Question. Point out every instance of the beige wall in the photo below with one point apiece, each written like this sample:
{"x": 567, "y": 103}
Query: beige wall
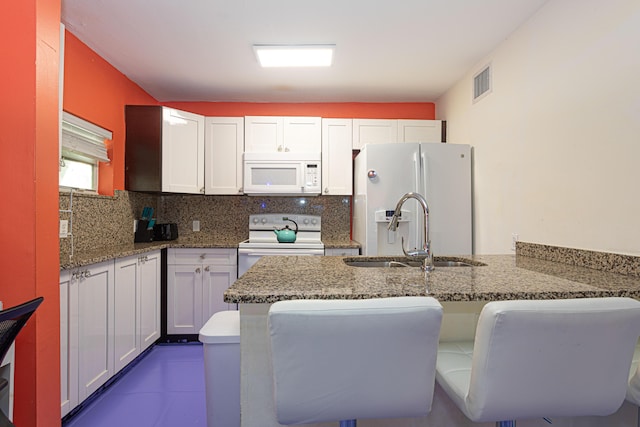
{"x": 557, "y": 142}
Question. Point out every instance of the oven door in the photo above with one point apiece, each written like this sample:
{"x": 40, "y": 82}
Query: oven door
{"x": 248, "y": 257}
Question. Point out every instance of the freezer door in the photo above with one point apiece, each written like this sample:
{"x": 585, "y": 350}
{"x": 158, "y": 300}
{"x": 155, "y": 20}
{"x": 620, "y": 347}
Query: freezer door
{"x": 446, "y": 185}
{"x": 383, "y": 173}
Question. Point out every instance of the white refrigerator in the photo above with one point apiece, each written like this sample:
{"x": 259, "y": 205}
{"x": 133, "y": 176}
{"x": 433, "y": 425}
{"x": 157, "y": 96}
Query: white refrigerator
{"x": 439, "y": 172}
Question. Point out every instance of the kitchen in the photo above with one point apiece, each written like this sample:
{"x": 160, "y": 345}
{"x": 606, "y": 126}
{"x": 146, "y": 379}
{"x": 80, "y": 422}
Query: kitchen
{"x": 538, "y": 139}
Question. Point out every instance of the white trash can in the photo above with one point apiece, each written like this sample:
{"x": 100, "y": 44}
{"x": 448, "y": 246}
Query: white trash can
{"x": 220, "y": 337}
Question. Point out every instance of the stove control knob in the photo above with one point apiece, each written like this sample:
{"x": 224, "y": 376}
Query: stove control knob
{"x": 263, "y": 220}
{"x": 255, "y": 220}
{"x": 305, "y": 221}
{"x": 314, "y": 221}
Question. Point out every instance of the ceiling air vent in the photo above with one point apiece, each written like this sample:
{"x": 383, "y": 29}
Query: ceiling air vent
{"x": 482, "y": 83}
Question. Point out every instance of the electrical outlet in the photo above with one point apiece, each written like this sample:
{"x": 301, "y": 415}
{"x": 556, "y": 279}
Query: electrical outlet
{"x": 196, "y": 225}
{"x": 514, "y": 239}
{"x": 64, "y": 228}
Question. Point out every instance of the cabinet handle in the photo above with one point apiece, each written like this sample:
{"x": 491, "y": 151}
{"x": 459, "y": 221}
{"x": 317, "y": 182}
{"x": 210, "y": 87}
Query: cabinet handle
{"x": 286, "y": 149}
{"x": 203, "y": 256}
{"x": 326, "y": 189}
{"x": 202, "y": 190}
{"x": 198, "y": 270}
{"x": 80, "y": 274}
{"x": 279, "y": 147}
{"x": 206, "y": 268}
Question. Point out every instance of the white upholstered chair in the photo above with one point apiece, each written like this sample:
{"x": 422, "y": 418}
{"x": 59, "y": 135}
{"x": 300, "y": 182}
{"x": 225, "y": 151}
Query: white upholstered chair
{"x": 633, "y": 390}
{"x": 535, "y": 359}
{"x": 341, "y": 360}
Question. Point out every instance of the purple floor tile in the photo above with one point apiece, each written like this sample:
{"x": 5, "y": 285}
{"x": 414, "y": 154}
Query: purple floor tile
{"x": 166, "y": 388}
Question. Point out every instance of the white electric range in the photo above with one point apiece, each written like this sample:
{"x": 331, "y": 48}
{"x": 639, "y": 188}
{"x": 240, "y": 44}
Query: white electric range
{"x": 264, "y": 242}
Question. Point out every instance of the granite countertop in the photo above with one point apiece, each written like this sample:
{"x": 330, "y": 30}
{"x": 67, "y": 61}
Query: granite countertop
{"x": 102, "y": 254}
{"x": 503, "y": 277}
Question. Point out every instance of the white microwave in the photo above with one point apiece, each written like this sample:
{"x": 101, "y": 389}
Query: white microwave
{"x": 292, "y": 174}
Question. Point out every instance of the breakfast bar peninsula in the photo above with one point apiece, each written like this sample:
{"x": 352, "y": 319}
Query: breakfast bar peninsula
{"x": 461, "y": 284}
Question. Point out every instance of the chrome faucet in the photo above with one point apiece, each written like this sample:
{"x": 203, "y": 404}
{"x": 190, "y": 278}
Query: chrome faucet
{"x": 425, "y": 251}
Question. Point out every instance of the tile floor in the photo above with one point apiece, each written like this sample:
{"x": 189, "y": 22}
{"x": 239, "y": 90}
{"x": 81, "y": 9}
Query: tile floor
{"x": 164, "y": 389}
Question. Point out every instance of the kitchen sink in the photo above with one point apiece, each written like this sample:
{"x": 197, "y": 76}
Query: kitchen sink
{"x": 376, "y": 263}
{"x": 388, "y": 263}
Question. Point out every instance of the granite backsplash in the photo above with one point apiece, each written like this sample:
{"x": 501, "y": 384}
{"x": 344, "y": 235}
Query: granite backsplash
{"x": 102, "y": 222}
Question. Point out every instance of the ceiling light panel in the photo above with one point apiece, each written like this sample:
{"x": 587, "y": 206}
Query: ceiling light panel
{"x": 294, "y": 55}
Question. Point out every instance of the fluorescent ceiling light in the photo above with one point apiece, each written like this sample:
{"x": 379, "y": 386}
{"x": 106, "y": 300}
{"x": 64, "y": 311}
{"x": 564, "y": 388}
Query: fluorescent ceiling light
{"x": 294, "y": 55}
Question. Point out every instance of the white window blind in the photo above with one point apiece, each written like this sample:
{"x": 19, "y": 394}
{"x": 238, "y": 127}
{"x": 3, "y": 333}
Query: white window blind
{"x": 83, "y": 139}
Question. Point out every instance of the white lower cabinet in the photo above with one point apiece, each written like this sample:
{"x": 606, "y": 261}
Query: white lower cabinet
{"x": 109, "y": 313}
{"x": 95, "y": 330}
{"x": 137, "y": 306}
{"x": 196, "y": 281}
{"x": 68, "y": 343}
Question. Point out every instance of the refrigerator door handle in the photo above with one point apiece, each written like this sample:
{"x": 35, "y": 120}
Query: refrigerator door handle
{"x": 416, "y": 173}
{"x": 422, "y": 190}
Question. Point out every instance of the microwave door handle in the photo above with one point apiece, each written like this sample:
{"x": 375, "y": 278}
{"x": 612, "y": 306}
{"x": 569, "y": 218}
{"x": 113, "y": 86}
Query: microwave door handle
{"x": 302, "y": 177}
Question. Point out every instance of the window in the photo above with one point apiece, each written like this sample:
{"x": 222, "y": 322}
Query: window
{"x": 82, "y": 147}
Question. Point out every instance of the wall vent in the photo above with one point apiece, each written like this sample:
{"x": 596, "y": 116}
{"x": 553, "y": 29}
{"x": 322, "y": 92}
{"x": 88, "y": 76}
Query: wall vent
{"x": 482, "y": 83}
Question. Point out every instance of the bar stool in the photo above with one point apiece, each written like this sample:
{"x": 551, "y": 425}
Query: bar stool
{"x": 536, "y": 359}
{"x": 633, "y": 390}
{"x": 340, "y": 360}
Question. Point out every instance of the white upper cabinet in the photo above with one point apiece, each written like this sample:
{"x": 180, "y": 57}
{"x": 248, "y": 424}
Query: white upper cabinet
{"x": 224, "y": 144}
{"x": 377, "y": 131}
{"x": 337, "y": 161}
{"x": 302, "y": 134}
{"x": 164, "y": 150}
{"x": 182, "y": 152}
{"x": 419, "y": 130}
{"x": 374, "y": 131}
{"x": 270, "y": 134}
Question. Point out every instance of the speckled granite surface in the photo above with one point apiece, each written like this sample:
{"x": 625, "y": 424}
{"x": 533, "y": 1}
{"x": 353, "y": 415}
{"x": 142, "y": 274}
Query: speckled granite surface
{"x": 614, "y": 263}
{"x": 102, "y": 226}
{"x": 504, "y": 277}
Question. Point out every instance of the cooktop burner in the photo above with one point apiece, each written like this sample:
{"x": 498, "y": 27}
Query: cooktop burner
{"x": 262, "y": 226}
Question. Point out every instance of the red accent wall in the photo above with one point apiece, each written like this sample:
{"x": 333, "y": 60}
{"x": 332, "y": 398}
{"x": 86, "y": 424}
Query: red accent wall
{"x": 97, "y": 92}
{"x": 356, "y": 110}
{"x": 29, "y": 258}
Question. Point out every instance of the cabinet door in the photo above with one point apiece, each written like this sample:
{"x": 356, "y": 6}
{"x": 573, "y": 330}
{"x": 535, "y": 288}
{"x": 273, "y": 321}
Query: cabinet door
{"x": 419, "y": 130}
{"x": 224, "y": 144}
{"x": 263, "y": 134}
{"x": 95, "y": 333}
{"x": 149, "y": 307}
{"x": 184, "y": 298}
{"x": 126, "y": 311}
{"x": 302, "y": 134}
{"x": 337, "y": 163}
{"x": 373, "y": 131}
{"x": 216, "y": 280}
{"x": 182, "y": 151}
{"x": 68, "y": 342}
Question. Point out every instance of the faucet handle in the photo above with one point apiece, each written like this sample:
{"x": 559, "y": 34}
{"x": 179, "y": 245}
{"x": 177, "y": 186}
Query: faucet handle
{"x": 413, "y": 253}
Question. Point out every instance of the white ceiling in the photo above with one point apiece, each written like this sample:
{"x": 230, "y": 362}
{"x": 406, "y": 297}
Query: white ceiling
{"x": 386, "y": 51}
